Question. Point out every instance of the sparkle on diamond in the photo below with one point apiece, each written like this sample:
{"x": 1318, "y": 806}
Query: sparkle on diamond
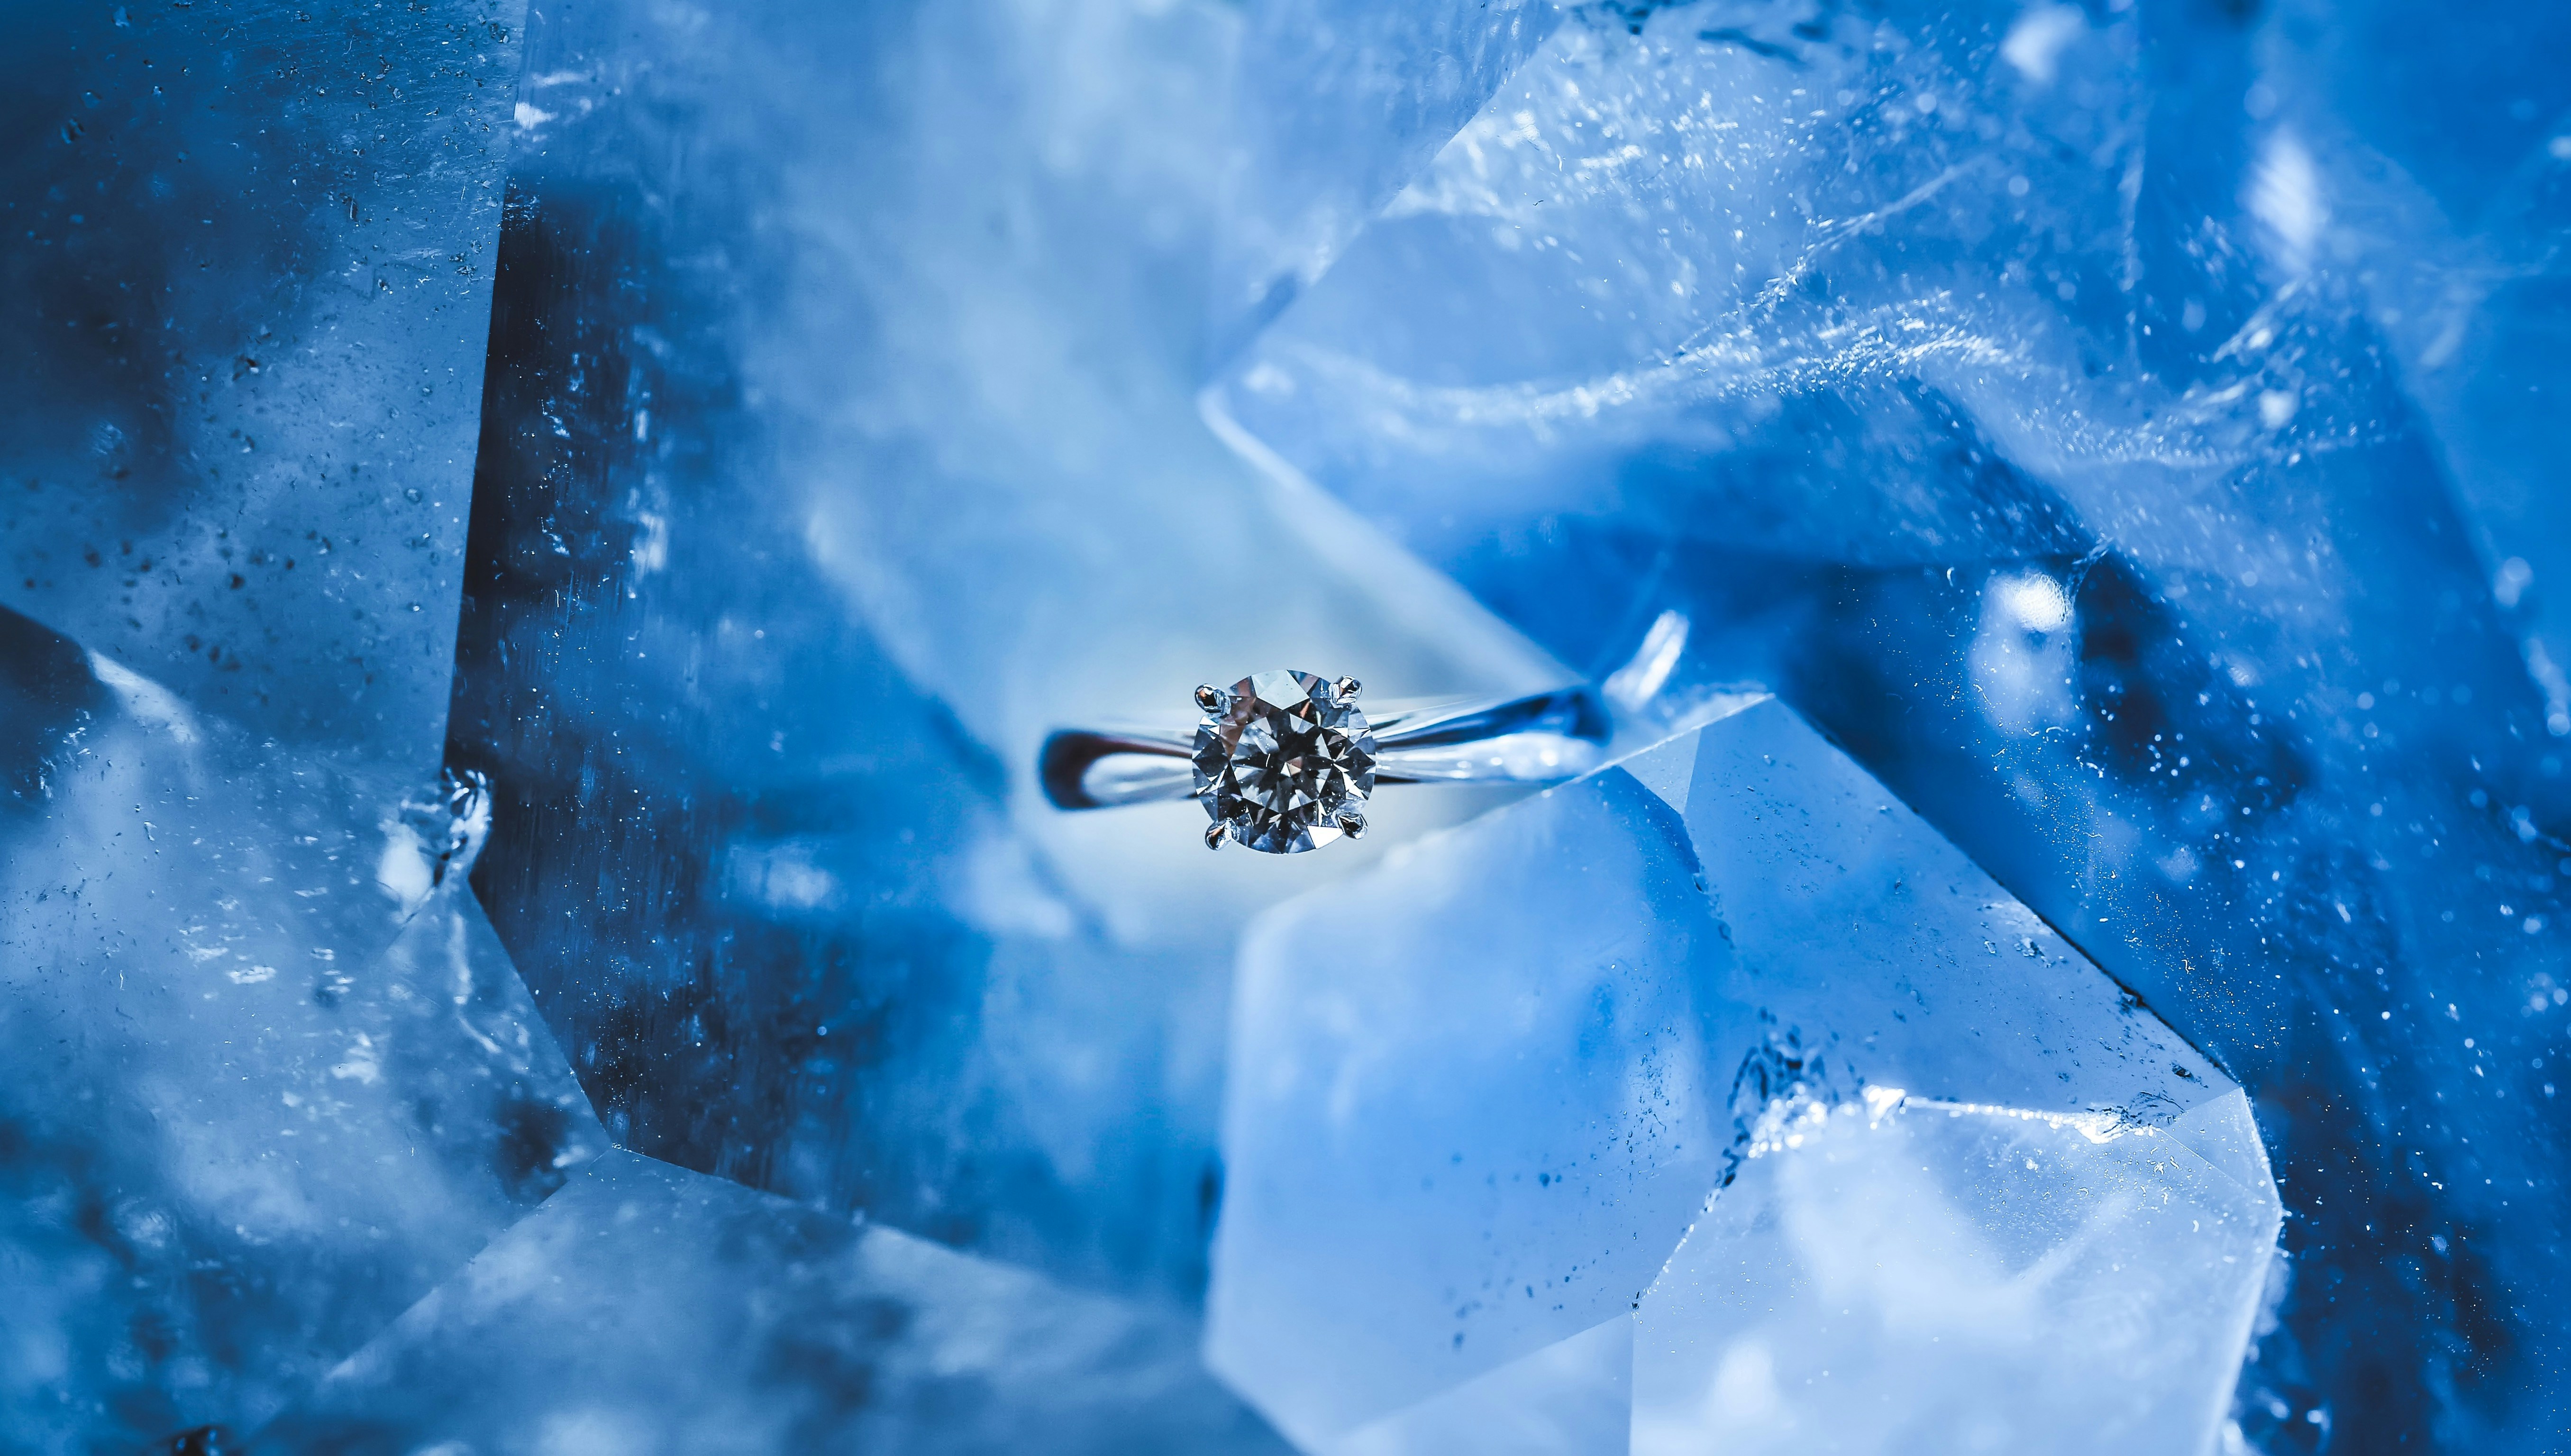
{"x": 1283, "y": 761}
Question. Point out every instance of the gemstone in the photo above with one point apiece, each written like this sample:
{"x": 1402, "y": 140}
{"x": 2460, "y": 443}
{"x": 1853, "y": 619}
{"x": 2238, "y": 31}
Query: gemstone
{"x": 1283, "y": 763}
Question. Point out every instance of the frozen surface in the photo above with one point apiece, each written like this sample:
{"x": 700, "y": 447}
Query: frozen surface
{"x": 272, "y": 1077}
{"x": 1913, "y": 1277}
{"x": 1477, "y": 1097}
{"x": 2117, "y": 427}
{"x": 247, "y": 258}
{"x": 653, "y": 1311}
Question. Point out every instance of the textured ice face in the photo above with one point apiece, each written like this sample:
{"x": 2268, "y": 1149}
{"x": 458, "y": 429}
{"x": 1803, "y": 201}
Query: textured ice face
{"x": 1735, "y": 245}
{"x": 1336, "y": 104}
{"x": 2434, "y": 190}
{"x": 274, "y": 1077}
{"x": 2111, "y": 424}
{"x": 654, "y": 1311}
{"x": 250, "y": 265}
{"x": 1286, "y": 764}
{"x": 1888, "y": 956}
{"x": 1461, "y": 1148}
{"x": 1898, "y": 1275}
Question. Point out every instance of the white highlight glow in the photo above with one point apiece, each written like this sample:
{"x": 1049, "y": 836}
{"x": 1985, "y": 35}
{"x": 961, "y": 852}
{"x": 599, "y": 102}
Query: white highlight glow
{"x": 2286, "y": 196}
{"x": 2034, "y": 45}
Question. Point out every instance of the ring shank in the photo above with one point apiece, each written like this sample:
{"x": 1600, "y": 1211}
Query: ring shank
{"x": 1539, "y": 739}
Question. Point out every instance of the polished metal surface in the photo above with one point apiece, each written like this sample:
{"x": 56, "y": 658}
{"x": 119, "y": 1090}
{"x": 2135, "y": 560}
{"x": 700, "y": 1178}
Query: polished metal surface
{"x": 1538, "y": 738}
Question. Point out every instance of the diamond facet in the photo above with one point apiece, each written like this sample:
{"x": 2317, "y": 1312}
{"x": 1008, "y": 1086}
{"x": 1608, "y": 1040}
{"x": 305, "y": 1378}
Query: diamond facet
{"x": 1283, "y": 760}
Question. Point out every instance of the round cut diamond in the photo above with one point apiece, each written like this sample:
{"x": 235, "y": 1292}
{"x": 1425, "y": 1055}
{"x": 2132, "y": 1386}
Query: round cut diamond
{"x": 1285, "y": 762}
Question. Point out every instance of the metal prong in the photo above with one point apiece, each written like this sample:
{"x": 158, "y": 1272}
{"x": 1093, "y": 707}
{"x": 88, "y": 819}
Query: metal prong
{"x": 1209, "y": 698}
{"x": 1214, "y": 835}
{"x": 1352, "y": 823}
{"x": 1345, "y": 690}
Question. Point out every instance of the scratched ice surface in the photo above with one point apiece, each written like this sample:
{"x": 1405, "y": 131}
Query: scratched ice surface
{"x": 1478, "y": 1098}
{"x": 654, "y": 1311}
{"x": 2124, "y": 429}
{"x": 272, "y": 1078}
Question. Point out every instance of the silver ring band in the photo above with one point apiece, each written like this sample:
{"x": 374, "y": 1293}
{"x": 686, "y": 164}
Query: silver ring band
{"x": 1285, "y": 760}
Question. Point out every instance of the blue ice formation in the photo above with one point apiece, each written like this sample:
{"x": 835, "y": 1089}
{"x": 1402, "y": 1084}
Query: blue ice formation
{"x": 2122, "y": 430}
{"x": 1480, "y": 1095}
{"x": 1337, "y": 105}
{"x": 1911, "y": 1276}
{"x": 272, "y": 1076}
{"x": 2119, "y": 426}
{"x": 250, "y": 262}
{"x": 645, "y": 1308}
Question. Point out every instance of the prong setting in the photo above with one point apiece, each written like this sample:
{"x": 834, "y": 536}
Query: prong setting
{"x": 1353, "y": 824}
{"x": 1212, "y": 699}
{"x": 1285, "y": 756}
{"x": 1213, "y": 834}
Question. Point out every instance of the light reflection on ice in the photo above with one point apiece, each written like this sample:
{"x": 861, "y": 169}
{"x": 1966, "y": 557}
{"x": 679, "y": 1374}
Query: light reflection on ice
{"x": 1952, "y": 1277}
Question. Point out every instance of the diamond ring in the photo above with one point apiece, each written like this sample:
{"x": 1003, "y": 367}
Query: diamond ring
{"x": 1284, "y": 762}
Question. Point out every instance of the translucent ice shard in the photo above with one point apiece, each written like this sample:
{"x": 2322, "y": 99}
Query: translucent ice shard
{"x": 274, "y": 1077}
{"x": 250, "y": 258}
{"x": 648, "y": 1309}
{"x": 2115, "y": 427}
{"x": 1571, "y": 1398}
{"x": 1878, "y": 947}
{"x": 1339, "y": 104}
{"x": 1701, "y": 221}
{"x": 1474, "y": 1100}
{"x": 1918, "y": 1276}
{"x": 1473, "y": 1093}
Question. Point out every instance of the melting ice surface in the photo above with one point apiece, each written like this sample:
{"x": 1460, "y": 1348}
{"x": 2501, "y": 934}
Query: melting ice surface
{"x": 1465, "y": 1141}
